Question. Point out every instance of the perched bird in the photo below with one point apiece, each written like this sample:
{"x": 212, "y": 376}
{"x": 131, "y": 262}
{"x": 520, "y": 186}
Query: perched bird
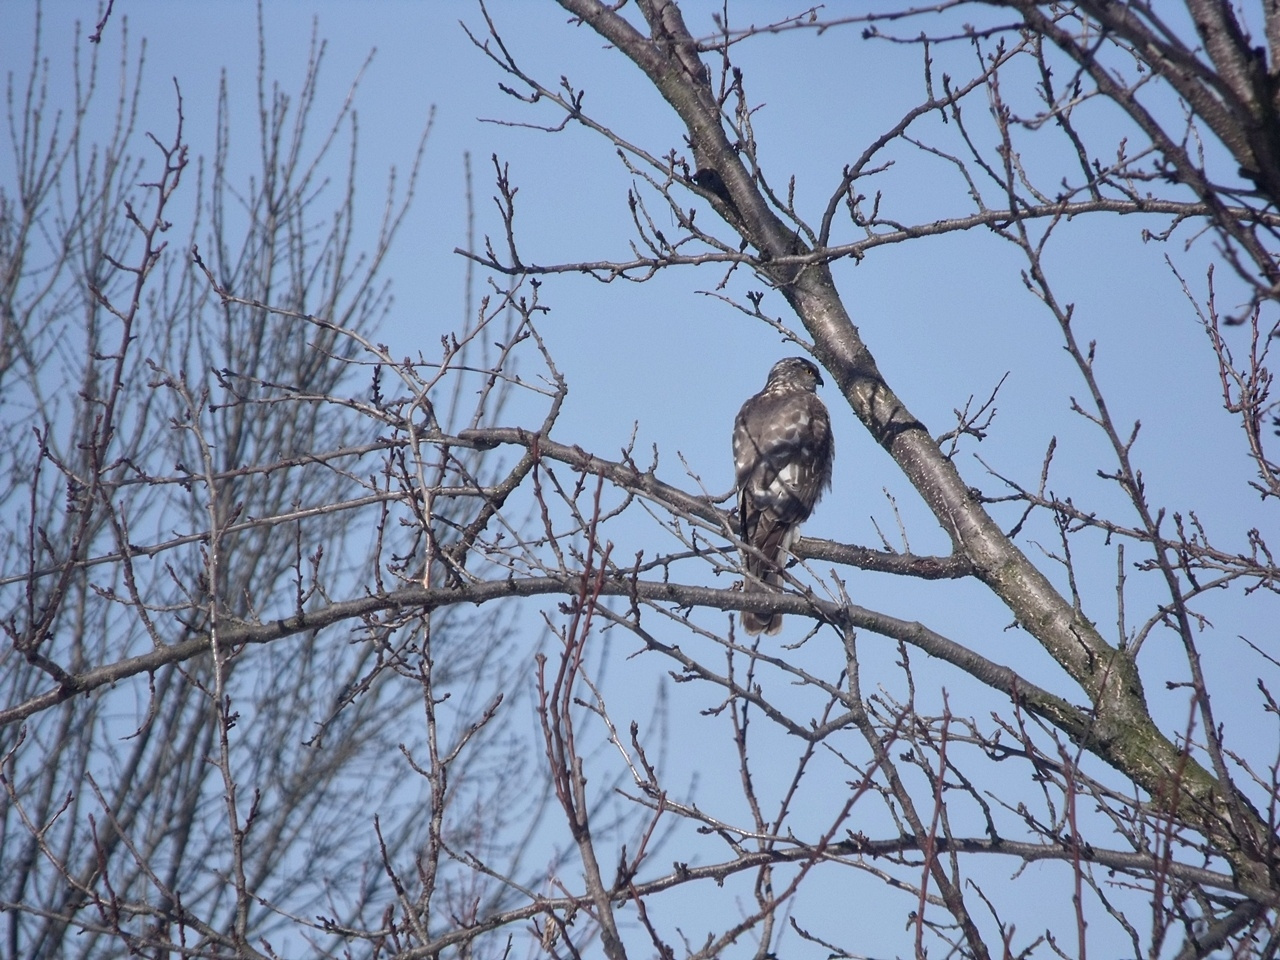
{"x": 782, "y": 453}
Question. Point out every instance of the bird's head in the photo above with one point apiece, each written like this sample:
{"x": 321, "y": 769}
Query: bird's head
{"x": 795, "y": 373}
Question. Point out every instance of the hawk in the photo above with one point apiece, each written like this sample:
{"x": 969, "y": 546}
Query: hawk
{"x": 782, "y": 453}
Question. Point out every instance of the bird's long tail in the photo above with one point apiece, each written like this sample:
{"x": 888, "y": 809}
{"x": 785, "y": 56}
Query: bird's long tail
{"x": 764, "y": 568}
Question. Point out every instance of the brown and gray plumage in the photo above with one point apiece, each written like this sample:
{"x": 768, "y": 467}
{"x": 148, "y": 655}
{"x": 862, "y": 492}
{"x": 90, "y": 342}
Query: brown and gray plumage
{"x": 782, "y": 453}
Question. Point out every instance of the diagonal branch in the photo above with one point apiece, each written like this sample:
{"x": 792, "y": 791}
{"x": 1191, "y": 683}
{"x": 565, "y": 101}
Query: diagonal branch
{"x": 1123, "y": 731}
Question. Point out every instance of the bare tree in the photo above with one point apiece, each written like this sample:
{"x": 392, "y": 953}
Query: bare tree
{"x": 177, "y": 552}
{"x": 178, "y": 468}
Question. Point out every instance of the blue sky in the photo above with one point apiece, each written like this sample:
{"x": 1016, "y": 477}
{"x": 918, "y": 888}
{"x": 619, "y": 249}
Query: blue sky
{"x": 946, "y": 318}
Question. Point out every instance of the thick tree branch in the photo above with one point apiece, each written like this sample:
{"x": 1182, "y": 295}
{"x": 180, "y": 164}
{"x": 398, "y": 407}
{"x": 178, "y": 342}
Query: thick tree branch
{"x": 1122, "y": 731}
